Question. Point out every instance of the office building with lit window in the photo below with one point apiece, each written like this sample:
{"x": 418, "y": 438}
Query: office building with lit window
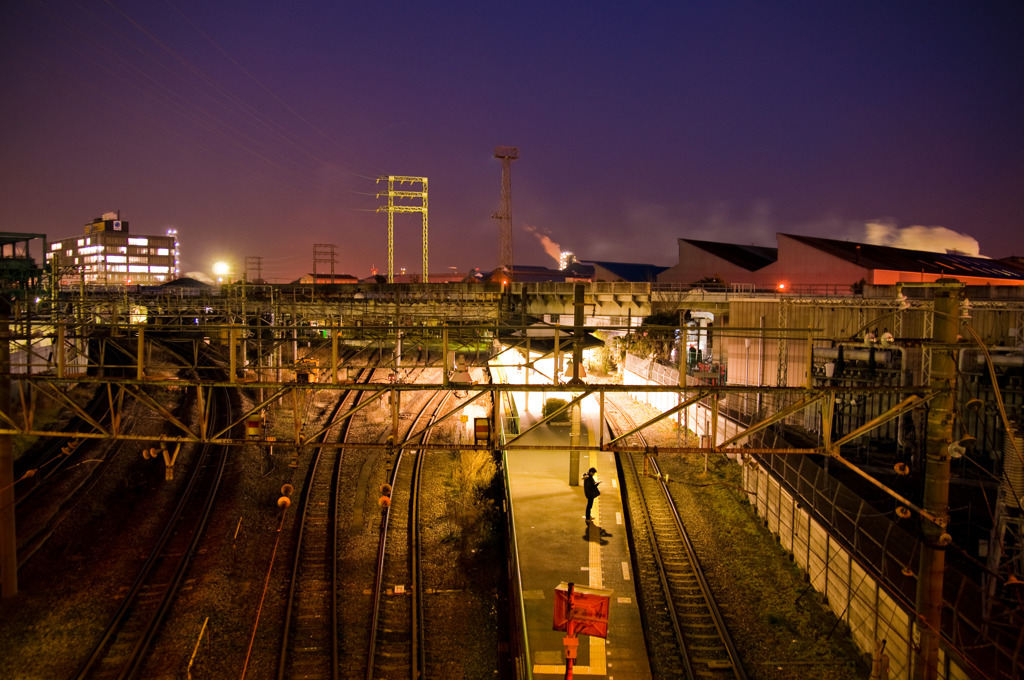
{"x": 107, "y": 254}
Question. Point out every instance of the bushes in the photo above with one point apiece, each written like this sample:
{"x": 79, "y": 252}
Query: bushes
{"x": 552, "y": 405}
{"x": 468, "y": 506}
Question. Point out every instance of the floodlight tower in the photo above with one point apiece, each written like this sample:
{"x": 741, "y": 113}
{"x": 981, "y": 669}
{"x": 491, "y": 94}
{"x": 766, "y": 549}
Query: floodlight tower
{"x": 507, "y": 154}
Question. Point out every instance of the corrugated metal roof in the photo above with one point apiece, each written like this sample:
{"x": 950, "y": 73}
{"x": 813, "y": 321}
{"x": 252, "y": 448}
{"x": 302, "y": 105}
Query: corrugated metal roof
{"x": 750, "y": 258}
{"x": 629, "y": 271}
{"x": 900, "y": 259}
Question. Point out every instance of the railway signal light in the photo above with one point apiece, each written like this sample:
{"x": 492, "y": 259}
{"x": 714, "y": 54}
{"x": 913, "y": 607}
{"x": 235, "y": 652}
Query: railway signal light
{"x": 284, "y": 501}
{"x": 168, "y": 457}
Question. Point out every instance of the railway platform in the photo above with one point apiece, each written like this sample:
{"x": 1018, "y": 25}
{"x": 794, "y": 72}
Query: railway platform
{"x": 557, "y": 544}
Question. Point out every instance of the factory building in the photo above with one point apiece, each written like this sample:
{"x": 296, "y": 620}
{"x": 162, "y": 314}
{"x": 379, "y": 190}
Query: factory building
{"x": 827, "y": 266}
{"x": 108, "y": 254}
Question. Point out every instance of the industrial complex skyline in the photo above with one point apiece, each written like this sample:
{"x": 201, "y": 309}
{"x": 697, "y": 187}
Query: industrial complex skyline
{"x": 260, "y": 130}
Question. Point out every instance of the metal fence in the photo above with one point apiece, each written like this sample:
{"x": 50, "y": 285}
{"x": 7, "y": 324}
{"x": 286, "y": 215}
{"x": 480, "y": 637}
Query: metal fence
{"x": 860, "y": 559}
{"x": 864, "y": 561}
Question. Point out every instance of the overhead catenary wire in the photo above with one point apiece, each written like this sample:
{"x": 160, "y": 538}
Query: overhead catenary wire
{"x": 273, "y": 94}
{"x": 144, "y": 83}
{"x": 209, "y": 105}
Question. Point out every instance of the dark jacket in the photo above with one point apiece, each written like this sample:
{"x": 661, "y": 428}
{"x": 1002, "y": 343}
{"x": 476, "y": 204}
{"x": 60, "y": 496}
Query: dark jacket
{"x": 590, "y": 489}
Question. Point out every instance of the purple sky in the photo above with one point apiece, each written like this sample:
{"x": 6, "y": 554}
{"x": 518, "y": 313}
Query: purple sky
{"x": 257, "y": 128}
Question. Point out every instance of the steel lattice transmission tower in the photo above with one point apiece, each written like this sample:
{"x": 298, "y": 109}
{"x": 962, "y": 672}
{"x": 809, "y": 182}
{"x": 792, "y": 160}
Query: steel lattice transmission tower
{"x": 391, "y": 208}
{"x": 253, "y": 263}
{"x": 507, "y": 154}
{"x": 323, "y": 253}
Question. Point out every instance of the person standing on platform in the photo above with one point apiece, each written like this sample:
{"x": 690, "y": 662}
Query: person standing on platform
{"x": 590, "y": 490}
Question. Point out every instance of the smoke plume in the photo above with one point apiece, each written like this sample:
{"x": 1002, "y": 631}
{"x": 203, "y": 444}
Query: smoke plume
{"x": 550, "y": 247}
{"x": 928, "y": 239}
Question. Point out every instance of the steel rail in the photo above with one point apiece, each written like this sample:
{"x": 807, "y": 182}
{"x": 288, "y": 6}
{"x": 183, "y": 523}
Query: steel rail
{"x": 300, "y": 582}
{"x": 415, "y": 644}
{"x": 147, "y": 618}
{"x": 155, "y": 561}
{"x": 704, "y": 654}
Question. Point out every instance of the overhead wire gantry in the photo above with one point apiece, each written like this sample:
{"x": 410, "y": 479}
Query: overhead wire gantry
{"x": 396, "y": 204}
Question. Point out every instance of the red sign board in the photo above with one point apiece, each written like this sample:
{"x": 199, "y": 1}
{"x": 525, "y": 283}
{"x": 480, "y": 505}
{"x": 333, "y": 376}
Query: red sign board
{"x": 588, "y": 611}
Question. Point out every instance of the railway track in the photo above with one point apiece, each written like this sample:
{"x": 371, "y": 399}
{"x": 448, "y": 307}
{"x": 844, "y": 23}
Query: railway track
{"x": 51, "y": 495}
{"x": 66, "y": 471}
{"x": 126, "y": 638}
{"x": 308, "y": 646}
{"x": 56, "y": 454}
{"x": 396, "y": 648}
{"x": 705, "y": 647}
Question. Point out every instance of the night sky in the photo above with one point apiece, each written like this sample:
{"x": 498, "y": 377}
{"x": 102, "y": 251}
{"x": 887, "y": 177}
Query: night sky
{"x": 257, "y": 129}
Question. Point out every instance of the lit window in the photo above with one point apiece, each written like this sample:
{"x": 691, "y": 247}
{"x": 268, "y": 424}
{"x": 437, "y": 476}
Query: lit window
{"x": 159, "y": 270}
{"x": 137, "y": 241}
{"x": 163, "y": 251}
{"x": 116, "y": 258}
{"x": 137, "y": 268}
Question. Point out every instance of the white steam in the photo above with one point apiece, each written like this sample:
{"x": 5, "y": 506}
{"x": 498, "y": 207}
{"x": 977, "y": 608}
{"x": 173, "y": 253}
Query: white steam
{"x": 928, "y": 239}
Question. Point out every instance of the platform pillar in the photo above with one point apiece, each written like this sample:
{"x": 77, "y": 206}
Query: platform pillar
{"x": 574, "y": 447}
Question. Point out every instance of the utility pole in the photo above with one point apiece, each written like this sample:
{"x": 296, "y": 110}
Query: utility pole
{"x": 934, "y": 538}
{"x": 507, "y": 154}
